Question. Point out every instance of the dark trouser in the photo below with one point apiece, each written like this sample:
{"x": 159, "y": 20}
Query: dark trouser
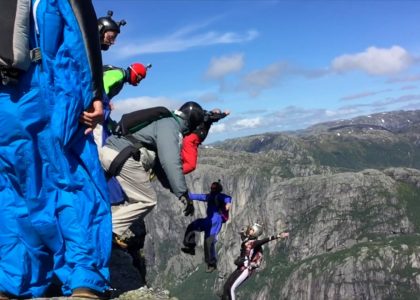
{"x": 189, "y": 236}
{"x": 209, "y": 242}
{"x": 210, "y": 251}
{"x": 234, "y": 280}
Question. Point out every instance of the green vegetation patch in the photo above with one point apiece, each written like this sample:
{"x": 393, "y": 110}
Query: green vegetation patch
{"x": 409, "y": 195}
{"x": 355, "y": 154}
{"x": 197, "y": 286}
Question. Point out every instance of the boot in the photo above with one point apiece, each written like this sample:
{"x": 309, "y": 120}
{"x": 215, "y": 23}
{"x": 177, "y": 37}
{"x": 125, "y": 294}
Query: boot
{"x": 119, "y": 242}
{"x": 188, "y": 250}
{"x": 211, "y": 268}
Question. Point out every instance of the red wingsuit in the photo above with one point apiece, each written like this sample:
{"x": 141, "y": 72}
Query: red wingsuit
{"x": 189, "y": 152}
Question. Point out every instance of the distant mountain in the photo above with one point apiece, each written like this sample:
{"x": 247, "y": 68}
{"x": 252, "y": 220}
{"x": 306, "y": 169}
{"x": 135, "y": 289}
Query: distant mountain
{"x": 375, "y": 141}
{"x": 394, "y": 121}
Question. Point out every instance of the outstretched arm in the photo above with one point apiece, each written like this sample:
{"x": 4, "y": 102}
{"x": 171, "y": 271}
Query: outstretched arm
{"x": 281, "y": 235}
{"x": 198, "y": 197}
{"x": 228, "y": 201}
{"x": 210, "y": 117}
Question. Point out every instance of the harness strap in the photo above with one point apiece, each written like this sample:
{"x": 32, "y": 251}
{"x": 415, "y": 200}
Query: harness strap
{"x": 10, "y": 75}
{"x": 119, "y": 160}
{"x": 35, "y": 55}
{"x": 136, "y": 143}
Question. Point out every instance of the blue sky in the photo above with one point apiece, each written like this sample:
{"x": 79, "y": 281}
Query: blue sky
{"x": 275, "y": 65}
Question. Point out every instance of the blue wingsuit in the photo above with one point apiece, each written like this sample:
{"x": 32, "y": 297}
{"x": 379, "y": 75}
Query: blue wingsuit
{"x": 211, "y": 225}
{"x": 55, "y": 209}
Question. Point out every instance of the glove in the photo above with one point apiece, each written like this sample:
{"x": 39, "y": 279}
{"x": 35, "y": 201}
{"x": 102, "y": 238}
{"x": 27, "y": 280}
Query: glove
{"x": 216, "y": 116}
{"x": 188, "y": 204}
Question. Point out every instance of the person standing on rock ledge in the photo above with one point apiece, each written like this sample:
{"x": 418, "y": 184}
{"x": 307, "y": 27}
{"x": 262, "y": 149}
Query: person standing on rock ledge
{"x": 55, "y": 213}
{"x": 250, "y": 258}
{"x": 109, "y": 29}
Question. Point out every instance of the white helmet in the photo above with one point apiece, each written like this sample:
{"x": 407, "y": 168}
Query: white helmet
{"x": 257, "y": 230}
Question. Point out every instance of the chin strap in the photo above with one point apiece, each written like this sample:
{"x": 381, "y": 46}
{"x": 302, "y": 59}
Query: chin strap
{"x": 179, "y": 113}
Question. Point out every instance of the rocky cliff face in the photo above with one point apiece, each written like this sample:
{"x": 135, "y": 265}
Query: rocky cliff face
{"x": 350, "y": 197}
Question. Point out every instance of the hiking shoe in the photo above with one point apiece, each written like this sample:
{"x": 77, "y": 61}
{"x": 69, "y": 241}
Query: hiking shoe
{"x": 87, "y": 293}
{"x": 119, "y": 242}
{"x": 211, "y": 268}
{"x": 188, "y": 250}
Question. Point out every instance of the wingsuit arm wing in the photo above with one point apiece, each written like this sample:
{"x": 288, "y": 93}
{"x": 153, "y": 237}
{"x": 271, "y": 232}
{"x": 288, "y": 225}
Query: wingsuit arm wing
{"x": 87, "y": 20}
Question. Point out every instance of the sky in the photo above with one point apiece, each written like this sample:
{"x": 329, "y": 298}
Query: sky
{"x": 274, "y": 65}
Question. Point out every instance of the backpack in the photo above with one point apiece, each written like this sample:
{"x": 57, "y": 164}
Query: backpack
{"x": 129, "y": 124}
{"x": 15, "y": 30}
{"x": 139, "y": 119}
{"x": 224, "y": 213}
{"x": 222, "y": 208}
{"x": 109, "y": 67}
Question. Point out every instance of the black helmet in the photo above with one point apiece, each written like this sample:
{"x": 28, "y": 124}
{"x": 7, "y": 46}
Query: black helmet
{"x": 108, "y": 24}
{"x": 216, "y": 187}
{"x": 192, "y": 113}
{"x": 202, "y": 131}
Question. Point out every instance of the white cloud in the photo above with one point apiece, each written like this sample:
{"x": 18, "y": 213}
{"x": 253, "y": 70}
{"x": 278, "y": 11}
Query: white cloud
{"x": 294, "y": 118}
{"x": 409, "y": 78}
{"x": 289, "y": 118}
{"x": 186, "y": 38}
{"x": 397, "y": 100}
{"x": 374, "y": 61}
{"x": 216, "y": 128}
{"x": 132, "y": 104}
{"x": 247, "y": 123}
{"x": 408, "y": 87}
{"x": 364, "y": 94}
{"x": 330, "y": 113}
{"x": 224, "y": 65}
{"x": 199, "y": 95}
{"x": 258, "y": 80}
{"x": 341, "y": 112}
{"x": 208, "y": 98}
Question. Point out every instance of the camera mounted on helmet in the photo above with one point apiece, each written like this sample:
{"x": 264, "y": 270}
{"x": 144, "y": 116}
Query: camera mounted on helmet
{"x": 106, "y": 24}
{"x": 192, "y": 113}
